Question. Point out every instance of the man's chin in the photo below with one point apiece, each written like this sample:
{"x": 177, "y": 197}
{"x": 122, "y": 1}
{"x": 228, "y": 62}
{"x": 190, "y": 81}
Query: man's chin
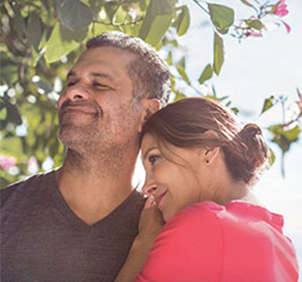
{"x": 69, "y": 136}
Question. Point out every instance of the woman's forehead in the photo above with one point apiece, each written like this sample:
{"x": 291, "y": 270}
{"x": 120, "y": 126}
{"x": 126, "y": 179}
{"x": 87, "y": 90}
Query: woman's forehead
{"x": 148, "y": 139}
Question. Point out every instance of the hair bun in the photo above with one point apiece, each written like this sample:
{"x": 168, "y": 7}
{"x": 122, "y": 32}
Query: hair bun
{"x": 250, "y": 130}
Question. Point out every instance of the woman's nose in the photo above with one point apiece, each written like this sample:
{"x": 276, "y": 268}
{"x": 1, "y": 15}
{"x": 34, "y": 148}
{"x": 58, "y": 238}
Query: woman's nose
{"x": 149, "y": 189}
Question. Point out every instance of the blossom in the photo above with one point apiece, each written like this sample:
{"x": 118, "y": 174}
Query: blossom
{"x": 299, "y": 102}
{"x": 280, "y": 9}
{"x": 7, "y": 162}
{"x": 286, "y": 26}
{"x": 254, "y": 33}
{"x": 32, "y": 165}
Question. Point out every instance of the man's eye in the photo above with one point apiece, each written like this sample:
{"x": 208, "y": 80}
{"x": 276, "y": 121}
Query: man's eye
{"x": 70, "y": 83}
{"x": 97, "y": 84}
{"x": 153, "y": 158}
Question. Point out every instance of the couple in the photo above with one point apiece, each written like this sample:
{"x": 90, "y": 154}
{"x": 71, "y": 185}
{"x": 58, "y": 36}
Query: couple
{"x": 85, "y": 222}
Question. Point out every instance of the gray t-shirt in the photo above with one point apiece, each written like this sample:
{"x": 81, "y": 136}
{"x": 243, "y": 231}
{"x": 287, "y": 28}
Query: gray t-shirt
{"x": 43, "y": 240}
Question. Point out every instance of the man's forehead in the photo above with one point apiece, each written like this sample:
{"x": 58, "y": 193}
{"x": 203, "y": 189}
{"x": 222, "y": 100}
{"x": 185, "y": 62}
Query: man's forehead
{"x": 107, "y": 54}
{"x": 102, "y": 61}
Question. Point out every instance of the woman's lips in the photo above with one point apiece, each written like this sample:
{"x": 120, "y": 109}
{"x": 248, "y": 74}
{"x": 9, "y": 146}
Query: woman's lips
{"x": 159, "y": 198}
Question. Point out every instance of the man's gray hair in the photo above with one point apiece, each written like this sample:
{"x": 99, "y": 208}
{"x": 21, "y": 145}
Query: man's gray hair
{"x": 148, "y": 72}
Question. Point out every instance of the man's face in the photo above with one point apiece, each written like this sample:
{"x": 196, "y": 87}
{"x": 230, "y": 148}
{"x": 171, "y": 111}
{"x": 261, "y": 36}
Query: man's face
{"x": 98, "y": 105}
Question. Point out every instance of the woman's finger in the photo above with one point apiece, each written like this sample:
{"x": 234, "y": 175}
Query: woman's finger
{"x": 150, "y": 202}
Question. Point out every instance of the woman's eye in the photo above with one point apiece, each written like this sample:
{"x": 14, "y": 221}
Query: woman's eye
{"x": 153, "y": 158}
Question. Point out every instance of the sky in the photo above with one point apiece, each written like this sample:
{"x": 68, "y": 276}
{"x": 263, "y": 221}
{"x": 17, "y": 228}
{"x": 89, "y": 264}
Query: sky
{"x": 253, "y": 70}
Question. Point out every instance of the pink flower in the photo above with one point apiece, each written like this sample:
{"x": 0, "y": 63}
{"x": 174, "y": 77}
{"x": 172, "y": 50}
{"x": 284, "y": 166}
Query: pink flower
{"x": 254, "y": 33}
{"x": 7, "y": 162}
{"x": 32, "y": 165}
{"x": 286, "y": 26}
{"x": 299, "y": 102}
{"x": 280, "y": 9}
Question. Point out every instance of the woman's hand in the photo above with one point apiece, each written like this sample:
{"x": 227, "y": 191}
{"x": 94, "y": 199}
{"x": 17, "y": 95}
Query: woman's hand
{"x": 151, "y": 222}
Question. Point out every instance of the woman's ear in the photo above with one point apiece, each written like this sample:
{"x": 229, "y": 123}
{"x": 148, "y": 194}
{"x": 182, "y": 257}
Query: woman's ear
{"x": 210, "y": 155}
{"x": 150, "y": 106}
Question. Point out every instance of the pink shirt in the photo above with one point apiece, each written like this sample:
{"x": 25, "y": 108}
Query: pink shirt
{"x": 233, "y": 243}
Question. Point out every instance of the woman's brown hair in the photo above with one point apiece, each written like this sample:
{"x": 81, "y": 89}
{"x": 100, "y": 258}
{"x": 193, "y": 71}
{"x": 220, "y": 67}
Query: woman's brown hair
{"x": 184, "y": 123}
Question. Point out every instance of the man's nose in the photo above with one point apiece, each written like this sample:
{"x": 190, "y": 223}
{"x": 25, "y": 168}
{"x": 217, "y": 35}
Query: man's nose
{"x": 149, "y": 189}
{"x": 76, "y": 93}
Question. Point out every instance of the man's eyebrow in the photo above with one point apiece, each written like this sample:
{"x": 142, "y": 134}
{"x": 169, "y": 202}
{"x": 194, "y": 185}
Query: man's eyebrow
{"x": 94, "y": 74}
{"x": 147, "y": 152}
{"x": 102, "y": 75}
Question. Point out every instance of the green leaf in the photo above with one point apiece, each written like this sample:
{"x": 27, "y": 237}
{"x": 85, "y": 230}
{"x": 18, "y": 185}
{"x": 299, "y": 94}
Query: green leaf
{"x": 12, "y": 113}
{"x": 256, "y": 24}
{"x": 182, "y": 22}
{"x": 98, "y": 28}
{"x": 206, "y": 74}
{"x": 218, "y": 53}
{"x": 143, "y": 4}
{"x": 3, "y": 113}
{"x": 56, "y": 47}
{"x": 3, "y": 181}
{"x": 44, "y": 85}
{"x": 293, "y": 134}
{"x": 235, "y": 110}
{"x": 121, "y": 15}
{"x": 111, "y": 8}
{"x": 34, "y": 30}
{"x": 85, "y": 2}
{"x": 272, "y": 157}
{"x": 268, "y": 103}
{"x": 181, "y": 70}
{"x": 74, "y": 14}
{"x": 8, "y": 69}
{"x": 284, "y": 138}
{"x": 11, "y": 146}
{"x": 169, "y": 59}
{"x": 76, "y": 35}
{"x": 18, "y": 23}
{"x": 157, "y": 21}
{"x": 222, "y": 17}
{"x": 179, "y": 95}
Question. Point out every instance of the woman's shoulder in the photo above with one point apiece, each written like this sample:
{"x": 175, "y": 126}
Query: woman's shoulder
{"x": 210, "y": 242}
{"x": 234, "y": 214}
{"x": 240, "y": 232}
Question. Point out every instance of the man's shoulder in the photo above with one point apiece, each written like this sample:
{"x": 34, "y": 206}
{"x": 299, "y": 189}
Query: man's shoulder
{"x": 26, "y": 186}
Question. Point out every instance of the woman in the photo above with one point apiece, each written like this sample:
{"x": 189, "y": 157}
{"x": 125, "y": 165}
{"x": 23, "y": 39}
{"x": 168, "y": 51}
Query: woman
{"x": 199, "y": 168}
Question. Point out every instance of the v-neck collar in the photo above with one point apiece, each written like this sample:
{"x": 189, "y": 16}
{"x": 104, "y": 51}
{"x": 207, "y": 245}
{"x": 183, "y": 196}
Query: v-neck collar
{"x": 74, "y": 220}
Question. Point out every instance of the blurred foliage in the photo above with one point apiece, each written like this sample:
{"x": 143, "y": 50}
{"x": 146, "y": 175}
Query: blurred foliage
{"x": 41, "y": 39}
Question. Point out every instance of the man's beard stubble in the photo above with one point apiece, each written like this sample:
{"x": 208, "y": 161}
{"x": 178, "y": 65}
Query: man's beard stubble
{"x": 73, "y": 131}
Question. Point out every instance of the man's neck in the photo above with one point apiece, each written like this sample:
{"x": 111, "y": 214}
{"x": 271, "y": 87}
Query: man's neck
{"x": 94, "y": 186}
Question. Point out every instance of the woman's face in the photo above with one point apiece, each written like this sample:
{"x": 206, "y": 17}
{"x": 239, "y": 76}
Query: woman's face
{"x": 173, "y": 178}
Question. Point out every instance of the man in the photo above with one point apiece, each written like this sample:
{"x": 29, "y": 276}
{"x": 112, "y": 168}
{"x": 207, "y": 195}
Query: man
{"x": 78, "y": 223}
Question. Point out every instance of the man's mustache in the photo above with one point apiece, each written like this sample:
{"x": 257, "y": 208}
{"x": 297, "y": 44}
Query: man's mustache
{"x": 87, "y": 104}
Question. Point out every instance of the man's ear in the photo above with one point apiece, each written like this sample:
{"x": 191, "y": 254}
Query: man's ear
{"x": 150, "y": 106}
